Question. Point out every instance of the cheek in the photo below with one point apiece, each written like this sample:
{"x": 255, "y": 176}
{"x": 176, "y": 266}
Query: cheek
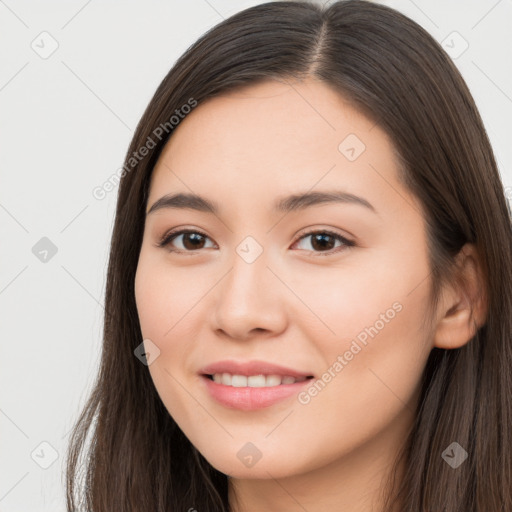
{"x": 367, "y": 388}
{"x": 163, "y": 297}
{"x": 374, "y": 349}
{"x": 362, "y": 293}
{"x": 163, "y": 301}
{"x": 168, "y": 300}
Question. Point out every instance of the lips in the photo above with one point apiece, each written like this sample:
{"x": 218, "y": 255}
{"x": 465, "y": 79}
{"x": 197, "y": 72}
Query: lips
{"x": 248, "y": 393}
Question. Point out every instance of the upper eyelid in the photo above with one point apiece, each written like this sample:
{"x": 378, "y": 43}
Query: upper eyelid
{"x": 312, "y": 231}
{"x": 169, "y": 235}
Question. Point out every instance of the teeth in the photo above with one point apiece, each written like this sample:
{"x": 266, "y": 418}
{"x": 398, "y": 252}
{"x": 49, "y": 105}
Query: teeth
{"x": 239, "y": 381}
{"x": 273, "y": 380}
{"x": 254, "y": 381}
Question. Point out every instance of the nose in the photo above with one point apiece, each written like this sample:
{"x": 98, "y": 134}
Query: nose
{"x": 250, "y": 301}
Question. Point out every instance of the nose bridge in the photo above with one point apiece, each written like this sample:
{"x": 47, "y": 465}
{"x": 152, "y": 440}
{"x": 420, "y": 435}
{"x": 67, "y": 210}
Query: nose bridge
{"x": 247, "y": 299}
{"x": 248, "y": 274}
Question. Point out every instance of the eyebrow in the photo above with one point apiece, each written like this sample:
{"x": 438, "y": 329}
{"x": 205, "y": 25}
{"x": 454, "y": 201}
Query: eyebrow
{"x": 291, "y": 203}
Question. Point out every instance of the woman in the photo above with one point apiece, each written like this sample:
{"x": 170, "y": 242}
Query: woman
{"x": 309, "y": 293}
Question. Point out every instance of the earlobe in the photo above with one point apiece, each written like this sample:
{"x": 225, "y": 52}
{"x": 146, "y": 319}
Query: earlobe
{"x": 463, "y": 309}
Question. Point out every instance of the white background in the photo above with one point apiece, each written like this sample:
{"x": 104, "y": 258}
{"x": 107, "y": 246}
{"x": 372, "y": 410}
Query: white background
{"x": 67, "y": 121}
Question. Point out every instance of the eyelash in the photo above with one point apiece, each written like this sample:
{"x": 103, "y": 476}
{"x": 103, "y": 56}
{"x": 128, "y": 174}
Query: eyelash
{"x": 169, "y": 236}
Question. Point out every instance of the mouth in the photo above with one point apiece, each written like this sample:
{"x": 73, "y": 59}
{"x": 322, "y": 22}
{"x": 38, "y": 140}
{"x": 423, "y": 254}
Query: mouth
{"x": 254, "y": 381}
{"x": 252, "y": 392}
{"x": 251, "y": 385}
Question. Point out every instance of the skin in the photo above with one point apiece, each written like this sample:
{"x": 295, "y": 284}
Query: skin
{"x": 294, "y": 305}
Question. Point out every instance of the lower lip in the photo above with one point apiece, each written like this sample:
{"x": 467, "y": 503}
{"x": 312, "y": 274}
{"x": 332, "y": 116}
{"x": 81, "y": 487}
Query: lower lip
{"x": 250, "y": 399}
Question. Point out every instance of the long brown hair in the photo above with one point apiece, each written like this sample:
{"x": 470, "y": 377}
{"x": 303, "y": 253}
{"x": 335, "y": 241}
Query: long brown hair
{"x": 390, "y": 69}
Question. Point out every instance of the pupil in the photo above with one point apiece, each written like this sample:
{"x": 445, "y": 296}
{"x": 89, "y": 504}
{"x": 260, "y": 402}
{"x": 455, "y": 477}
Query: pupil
{"x": 320, "y": 242}
{"x": 195, "y": 238}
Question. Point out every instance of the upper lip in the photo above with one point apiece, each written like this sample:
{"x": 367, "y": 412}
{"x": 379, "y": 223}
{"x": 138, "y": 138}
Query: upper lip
{"x": 248, "y": 368}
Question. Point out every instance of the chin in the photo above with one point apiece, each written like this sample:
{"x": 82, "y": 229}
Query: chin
{"x": 261, "y": 470}
{"x": 238, "y": 463}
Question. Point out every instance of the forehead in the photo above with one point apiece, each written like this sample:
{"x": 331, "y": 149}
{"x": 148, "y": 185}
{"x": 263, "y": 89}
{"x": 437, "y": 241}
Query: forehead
{"x": 274, "y": 138}
{"x": 273, "y": 120}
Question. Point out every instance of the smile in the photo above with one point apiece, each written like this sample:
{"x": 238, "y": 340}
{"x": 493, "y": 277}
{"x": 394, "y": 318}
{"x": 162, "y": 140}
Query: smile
{"x": 241, "y": 392}
{"x": 254, "y": 381}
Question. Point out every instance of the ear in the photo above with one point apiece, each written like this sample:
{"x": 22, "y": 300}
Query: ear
{"x": 463, "y": 308}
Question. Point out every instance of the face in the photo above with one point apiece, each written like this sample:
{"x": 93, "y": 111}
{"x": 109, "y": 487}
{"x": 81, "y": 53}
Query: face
{"x": 319, "y": 299}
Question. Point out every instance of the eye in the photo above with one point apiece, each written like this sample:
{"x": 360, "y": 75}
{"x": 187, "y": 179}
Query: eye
{"x": 325, "y": 240}
{"x": 322, "y": 241}
{"x": 191, "y": 240}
